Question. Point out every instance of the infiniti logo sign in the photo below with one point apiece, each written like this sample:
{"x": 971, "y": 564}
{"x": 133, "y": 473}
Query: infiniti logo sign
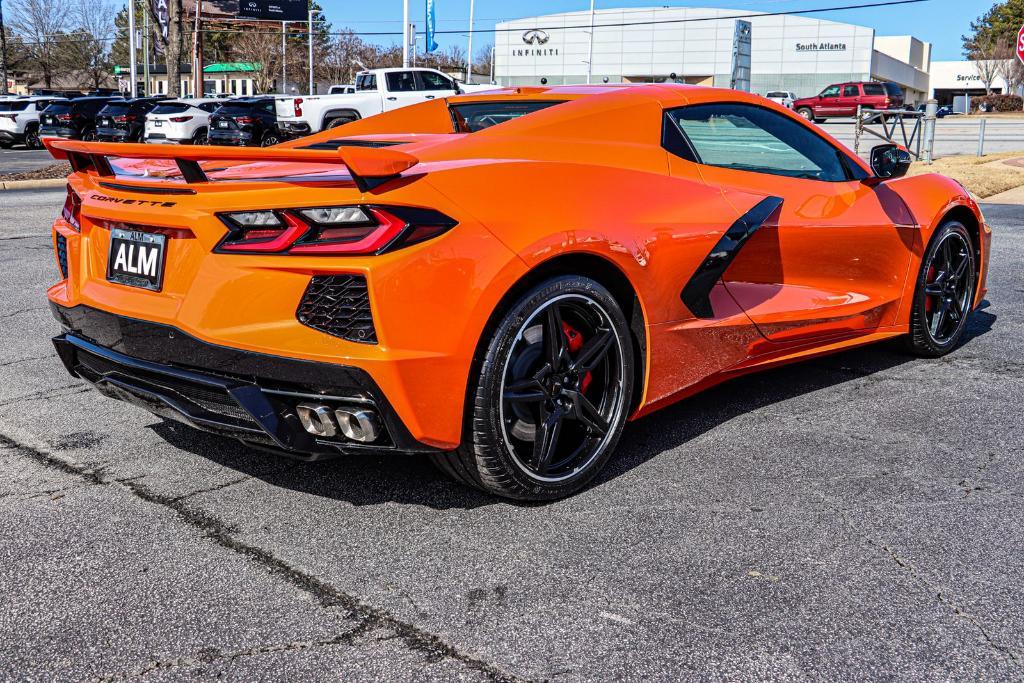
{"x": 535, "y": 37}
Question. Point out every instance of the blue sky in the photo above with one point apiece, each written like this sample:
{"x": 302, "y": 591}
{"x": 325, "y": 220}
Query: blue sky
{"x": 941, "y": 22}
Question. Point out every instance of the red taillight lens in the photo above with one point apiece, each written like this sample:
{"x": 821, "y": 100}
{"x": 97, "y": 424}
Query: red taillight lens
{"x": 72, "y": 211}
{"x": 244, "y": 120}
{"x": 181, "y": 119}
{"x": 298, "y": 106}
{"x": 351, "y": 230}
{"x": 63, "y": 117}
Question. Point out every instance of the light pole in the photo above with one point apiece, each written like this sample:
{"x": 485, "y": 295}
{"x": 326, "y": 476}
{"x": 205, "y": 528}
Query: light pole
{"x": 133, "y": 67}
{"x": 590, "y": 50}
{"x": 405, "y": 34}
{"x": 469, "y": 47}
{"x": 3, "y": 52}
{"x": 311, "y": 13}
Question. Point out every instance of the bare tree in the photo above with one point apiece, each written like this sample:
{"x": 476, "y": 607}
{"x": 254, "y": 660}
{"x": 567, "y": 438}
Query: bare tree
{"x": 262, "y": 50}
{"x": 41, "y": 24}
{"x": 173, "y": 46}
{"x": 89, "y": 51}
{"x": 986, "y": 61}
{"x": 482, "y": 59}
{"x": 1009, "y": 66}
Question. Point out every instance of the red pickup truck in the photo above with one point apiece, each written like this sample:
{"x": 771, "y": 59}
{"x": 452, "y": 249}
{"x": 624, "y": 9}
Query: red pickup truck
{"x": 842, "y": 99}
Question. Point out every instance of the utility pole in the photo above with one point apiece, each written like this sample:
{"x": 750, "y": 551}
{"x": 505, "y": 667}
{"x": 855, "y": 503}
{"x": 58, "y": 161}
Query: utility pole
{"x": 469, "y": 47}
{"x": 197, "y": 54}
{"x": 3, "y": 52}
{"x": 133, "y": 66}
{"x": 405, "y": 34}
{"x": 590, "y": 50}
{"x": 311, "y": 13}
{"x": 145, "y": 53}
{"x": 284, "y": 57}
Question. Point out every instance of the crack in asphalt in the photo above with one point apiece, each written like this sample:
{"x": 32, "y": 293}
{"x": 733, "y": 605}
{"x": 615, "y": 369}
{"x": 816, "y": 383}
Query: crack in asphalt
{"x": 199, "y": 492}
{"x": 48, "y": 393}
{"x": 22, "y": 310}
{"x": 430, "y": 645}
{"x": 26, "y": 360}
{"x": 212, "y": 655}
{"x": 943, "y": 599}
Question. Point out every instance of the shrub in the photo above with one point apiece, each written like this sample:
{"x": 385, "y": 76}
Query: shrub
{"x": 997, "y": 103}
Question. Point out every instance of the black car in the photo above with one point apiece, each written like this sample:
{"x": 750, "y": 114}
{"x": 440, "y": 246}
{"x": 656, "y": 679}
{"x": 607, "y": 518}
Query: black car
{"x": 246, "y": 121}
{"x": 124, "y": 120}
{"x": 75, "y": 119}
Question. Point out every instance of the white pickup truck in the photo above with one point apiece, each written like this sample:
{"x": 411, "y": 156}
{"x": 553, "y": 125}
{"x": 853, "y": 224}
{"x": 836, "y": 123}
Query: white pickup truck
{"x": 376, "y": 91}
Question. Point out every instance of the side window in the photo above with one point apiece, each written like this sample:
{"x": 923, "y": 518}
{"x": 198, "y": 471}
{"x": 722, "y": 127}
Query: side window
{"x": 401, "y": 81}
{"x": 366, "y": 82}
{"x": 267, "y": 106}
{"x": 851, "y": 91}
{"x": 432, "y": 81}
{"x": 744, "y": 137}
{"x": 830, "y": 91}
{"x": 874, "y": 89}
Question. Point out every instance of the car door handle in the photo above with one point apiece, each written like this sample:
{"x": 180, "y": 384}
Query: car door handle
{"x": 392, "y": 99}
{"x": 430, "y": 97}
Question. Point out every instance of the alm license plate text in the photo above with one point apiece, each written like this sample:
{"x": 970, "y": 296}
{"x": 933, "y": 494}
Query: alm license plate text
{"x": 136, "y": 259}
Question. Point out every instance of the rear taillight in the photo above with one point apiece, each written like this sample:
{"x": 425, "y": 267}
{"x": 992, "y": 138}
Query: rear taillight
{"x": 297, "y": 103}
{"x": 72, "y": 211}
{"x": 181, "y": 119}
{"x": 63, "y": 117}
{"x": 244, "y": 120}
{"x": 332, "y": 231}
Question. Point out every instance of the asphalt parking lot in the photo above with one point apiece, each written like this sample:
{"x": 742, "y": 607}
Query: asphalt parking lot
{"x": 853, "y": 517}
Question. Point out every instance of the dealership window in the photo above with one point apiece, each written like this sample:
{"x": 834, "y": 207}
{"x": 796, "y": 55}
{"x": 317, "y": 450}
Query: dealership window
{"x": 744, "y": 137}
{"x": 830, "y": 91}
{"x": 851, "y": 91}
{"x": 245, "y": 86}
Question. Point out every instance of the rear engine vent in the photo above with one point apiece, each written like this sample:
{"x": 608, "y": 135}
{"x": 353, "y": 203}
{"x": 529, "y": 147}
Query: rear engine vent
{"x": 62, "y": 255}
{"x": 340, "y": 306}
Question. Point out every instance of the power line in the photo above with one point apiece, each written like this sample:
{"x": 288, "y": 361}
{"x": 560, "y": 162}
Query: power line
{"x": 651, "y": 22}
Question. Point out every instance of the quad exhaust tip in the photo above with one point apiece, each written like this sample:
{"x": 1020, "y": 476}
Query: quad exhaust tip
{"x": 357, "y": 424}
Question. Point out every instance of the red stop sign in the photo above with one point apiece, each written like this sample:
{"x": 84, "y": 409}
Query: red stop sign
{"x": 1020, "y": 44}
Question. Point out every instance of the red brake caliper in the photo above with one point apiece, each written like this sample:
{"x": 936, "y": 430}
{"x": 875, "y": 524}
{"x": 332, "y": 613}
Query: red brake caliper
{"x": 575, "y": 344}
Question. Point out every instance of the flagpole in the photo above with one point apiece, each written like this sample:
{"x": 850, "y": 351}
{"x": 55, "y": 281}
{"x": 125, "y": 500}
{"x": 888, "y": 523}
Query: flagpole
{"x": 469, "y": 47}
{"x": 590, "y": 51}
{"x": 405, "y": 34}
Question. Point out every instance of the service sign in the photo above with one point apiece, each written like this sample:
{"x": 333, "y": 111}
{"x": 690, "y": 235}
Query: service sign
{"x": 274, "y": 10}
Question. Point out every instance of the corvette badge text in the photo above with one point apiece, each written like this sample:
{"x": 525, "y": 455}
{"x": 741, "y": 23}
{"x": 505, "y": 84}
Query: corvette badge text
{"x": 131, "y": 202}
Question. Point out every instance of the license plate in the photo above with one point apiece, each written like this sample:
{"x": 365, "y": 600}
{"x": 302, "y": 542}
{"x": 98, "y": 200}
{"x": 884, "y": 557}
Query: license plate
{"x": 222, "y": 124}
{"x": 158, "y": 123}
{"x": 105, "y": 122}
{"x": 136, "y": 259}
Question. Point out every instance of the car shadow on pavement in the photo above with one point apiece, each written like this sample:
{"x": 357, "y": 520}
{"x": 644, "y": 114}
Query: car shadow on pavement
{"x": 407, "y": 479}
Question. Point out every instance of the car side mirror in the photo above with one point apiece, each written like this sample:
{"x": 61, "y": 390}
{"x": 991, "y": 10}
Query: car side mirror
{"x": 889, "y": 161}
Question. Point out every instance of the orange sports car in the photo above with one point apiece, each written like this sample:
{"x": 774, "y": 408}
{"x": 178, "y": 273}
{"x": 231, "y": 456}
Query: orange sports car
{"x": 497, "y": 280}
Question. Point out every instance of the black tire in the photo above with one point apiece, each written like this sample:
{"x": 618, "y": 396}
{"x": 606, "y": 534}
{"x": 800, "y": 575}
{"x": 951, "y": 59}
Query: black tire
{"x": 89, "y": 135}
{"x": 271, "y": 138}
{"x": 817, "y": 120}
{"x": 580, "y": 409}
{"x": 806, "y": 112}
{"x": 943, "y": 292}
{"x": 334, "y": 123}
{"x": 200, "y": 137}
{"x": 4, "y": 144}
{"x": 32, "y": 140}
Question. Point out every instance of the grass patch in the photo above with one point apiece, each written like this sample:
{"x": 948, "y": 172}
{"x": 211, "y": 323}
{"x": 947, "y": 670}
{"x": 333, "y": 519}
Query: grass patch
{"x": 984, "y": 176}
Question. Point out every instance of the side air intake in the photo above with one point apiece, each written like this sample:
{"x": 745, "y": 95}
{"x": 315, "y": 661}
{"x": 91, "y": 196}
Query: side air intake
{"x": 340, "y": 306}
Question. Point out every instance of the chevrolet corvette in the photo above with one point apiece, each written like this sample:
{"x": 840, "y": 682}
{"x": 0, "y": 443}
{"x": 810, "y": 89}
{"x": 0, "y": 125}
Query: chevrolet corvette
{"x": 498, "y": 281}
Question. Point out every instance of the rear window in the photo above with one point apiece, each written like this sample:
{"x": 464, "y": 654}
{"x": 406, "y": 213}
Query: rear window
{"x": 170, "y": 108}
{"x": 366, "y": 82}
{"x": 235, "y": 109}
{"x": 893, "y": 89}
{"x": 116, "y": 108}
{"x": 777, "y": 93}
{"x": 59, "y": 108}
{"x": 473, "y": 117}
{"x": 13, "y": 106}
{"x": 873, "y": 89}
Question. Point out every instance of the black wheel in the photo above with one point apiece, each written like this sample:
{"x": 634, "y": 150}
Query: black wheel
{"x": 200, "y": 137}
{"x": 806, "y": 112}
{"x": 4, "y": 144}
{"x": 944, "y": 292}
{"x": 89, "y": 135}
{"x": 32, "y": 140}
{"x": 817, "y": 120}
{"x": 270, "y": 138}
{"x": 550, "y": 396}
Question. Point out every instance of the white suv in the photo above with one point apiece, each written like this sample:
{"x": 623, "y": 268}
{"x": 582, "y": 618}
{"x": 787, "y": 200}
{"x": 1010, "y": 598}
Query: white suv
{"x": 19, "y": 120}
{"x": 182, "y": 122}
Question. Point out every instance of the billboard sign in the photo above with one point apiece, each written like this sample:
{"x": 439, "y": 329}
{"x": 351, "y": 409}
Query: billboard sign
{"x": 274, "y": 10}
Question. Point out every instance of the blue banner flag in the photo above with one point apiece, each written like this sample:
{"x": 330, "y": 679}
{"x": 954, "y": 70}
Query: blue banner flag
{"x": 431, "y": 26}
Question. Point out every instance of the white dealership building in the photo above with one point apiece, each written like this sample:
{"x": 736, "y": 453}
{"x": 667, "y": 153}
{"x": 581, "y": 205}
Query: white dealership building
{"x": 787, "y": 52}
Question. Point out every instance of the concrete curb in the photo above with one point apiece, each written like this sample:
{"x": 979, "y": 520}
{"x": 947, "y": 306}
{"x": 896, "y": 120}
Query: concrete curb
{"x": 1013, "y": 196}
{"x": 33, "y": 184}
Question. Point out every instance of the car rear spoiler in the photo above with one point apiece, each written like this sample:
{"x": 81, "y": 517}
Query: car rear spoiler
{"x": 368, "y": 166}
